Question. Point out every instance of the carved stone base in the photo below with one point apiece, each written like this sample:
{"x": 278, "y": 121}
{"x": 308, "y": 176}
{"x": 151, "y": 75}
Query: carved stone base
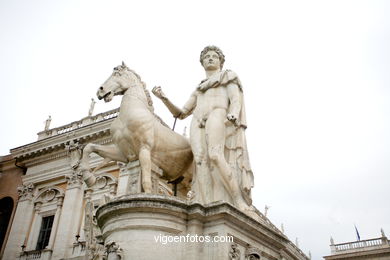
{"x": 147, "y": 227}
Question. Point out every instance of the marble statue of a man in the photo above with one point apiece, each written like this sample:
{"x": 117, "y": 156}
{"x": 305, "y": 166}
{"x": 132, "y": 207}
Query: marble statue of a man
{"x": 217, "y": 133}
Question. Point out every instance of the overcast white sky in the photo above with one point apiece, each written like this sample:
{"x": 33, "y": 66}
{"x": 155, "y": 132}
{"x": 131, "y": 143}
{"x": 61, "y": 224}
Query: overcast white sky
{"x": 316, "y": 84}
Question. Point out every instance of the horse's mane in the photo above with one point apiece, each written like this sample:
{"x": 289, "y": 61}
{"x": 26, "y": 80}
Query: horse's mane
{"x": 147, "y": 95}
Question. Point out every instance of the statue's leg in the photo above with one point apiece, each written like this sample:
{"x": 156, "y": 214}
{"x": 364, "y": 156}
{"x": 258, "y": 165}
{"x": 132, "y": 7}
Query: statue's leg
{"x": 202, "y": 186}
{"x": 215, "y": 132}
{"x": 108, "y": 152}
{"x": 146, "y": 168}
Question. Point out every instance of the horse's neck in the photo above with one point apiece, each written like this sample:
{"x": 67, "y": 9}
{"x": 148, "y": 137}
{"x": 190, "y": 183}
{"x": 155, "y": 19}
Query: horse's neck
{"x": 134, "y": 96}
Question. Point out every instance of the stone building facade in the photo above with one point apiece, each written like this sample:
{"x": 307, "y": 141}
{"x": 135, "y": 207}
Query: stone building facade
{"x": 10, "y": 179}
{"x": 52, "y": 214}
{"x": 369, "y": 249}
{"x": 42, "y": 179}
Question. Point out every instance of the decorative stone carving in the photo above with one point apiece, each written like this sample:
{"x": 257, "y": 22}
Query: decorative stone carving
{"x": 38, "y": 206}
{"x": 253, "y": 257}
{"x": 101, "y": 182}
{"x": 138, "y": 133}
{"x": 252, "y": 253}
{"x": 190, "y": 195}
{"x": 234, "y": 253}
{"x": 129, "y": 178}
{"x": 49, "y": 194}
{"x": 134, "y": 184}
{"x": 162, "y": 189}
{"x": 74, "y": 179}
{"x": 26, "y": 191}
{"x": 74, "y": 150}
{"x": 113, "y": 251}
{"x": 95, "y": 248}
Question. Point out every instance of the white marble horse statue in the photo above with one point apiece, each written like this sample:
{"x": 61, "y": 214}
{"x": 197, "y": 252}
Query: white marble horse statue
{"x": 137, "y": 133}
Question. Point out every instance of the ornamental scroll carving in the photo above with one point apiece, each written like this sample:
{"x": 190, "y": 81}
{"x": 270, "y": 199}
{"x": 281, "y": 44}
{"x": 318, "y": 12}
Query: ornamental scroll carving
{"x": 74, "y": 150}
{"x": 95, "y": 248}
{"x": 26, "y": 191}
{"x": 74, "y": 179}
{"x": 252, "y": 253}
{"x": 114, "y": 251}
{"x": 234, "y": 253}
{"x": 51, "y": 194}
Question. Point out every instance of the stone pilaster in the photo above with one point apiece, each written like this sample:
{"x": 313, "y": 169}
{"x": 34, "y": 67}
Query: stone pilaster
{"x": 32, "y": 234}
{"x": 21, "y": 224}
{"x": 70, "y": 218}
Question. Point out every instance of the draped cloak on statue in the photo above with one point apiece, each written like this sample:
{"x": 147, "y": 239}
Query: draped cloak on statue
{"x": 236, "y": 152}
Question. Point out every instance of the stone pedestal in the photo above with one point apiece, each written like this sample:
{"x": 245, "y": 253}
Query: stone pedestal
{"x": 146, "y": 227}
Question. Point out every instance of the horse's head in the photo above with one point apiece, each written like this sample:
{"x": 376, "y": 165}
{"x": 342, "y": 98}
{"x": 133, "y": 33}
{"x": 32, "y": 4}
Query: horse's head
{"x": 120, "y": 80}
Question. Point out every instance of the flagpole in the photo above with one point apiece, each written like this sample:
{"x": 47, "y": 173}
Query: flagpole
{"x": 357, "y": 233}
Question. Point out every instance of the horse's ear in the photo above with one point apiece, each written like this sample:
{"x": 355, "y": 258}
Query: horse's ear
{"x": 123, "y": 64}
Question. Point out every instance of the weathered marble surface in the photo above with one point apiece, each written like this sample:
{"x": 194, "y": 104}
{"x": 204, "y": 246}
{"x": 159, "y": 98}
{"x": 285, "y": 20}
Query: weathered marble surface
{"x": 133, "y": 221}
{"x": 138, "y": 134}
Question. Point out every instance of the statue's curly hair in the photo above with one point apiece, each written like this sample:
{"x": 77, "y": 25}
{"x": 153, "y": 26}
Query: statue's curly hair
{"x": 213, "y": 48}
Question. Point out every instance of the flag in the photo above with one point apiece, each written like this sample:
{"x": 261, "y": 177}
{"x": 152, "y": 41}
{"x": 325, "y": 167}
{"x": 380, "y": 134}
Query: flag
{"x": 357, "y": 233}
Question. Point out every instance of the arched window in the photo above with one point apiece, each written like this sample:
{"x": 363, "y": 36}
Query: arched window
{"x": 6, "y": 207}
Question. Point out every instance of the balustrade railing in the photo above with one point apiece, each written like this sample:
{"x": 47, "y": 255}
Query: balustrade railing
{"x": 376, "y": 242}
{"x": 78, "y": 124}
{"x": 44, "y": 254}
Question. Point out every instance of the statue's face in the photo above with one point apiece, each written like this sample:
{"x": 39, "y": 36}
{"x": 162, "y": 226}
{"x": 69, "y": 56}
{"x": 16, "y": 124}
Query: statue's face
{"x": 211, "y": 61}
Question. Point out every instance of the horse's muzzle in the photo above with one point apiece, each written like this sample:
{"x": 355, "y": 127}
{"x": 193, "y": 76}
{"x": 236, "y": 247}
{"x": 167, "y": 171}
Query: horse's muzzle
{"x": 105, "y": 95}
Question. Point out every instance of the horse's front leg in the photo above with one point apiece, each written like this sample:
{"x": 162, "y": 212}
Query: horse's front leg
{"x": 146, "y": 168}
{"x": 108, "y": 152}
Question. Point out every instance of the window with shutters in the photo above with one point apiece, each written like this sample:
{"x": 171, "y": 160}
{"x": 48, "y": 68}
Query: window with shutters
{"x": 44, "y": 233}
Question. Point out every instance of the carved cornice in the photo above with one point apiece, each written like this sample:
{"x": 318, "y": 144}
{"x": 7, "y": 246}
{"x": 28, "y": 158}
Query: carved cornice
{"x": 57, "y": 143}
{"x": 294, "y": 251}
{"x": 196, "y": 211}
{"x": 213, "y": 214}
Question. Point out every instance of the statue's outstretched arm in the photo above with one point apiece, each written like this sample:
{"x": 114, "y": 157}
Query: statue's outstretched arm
{"x": 175, "y": 111}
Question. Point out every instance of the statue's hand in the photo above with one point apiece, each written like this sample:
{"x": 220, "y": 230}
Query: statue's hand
{"x": 158, "y": 93}
{"x": 232, "y": 118}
